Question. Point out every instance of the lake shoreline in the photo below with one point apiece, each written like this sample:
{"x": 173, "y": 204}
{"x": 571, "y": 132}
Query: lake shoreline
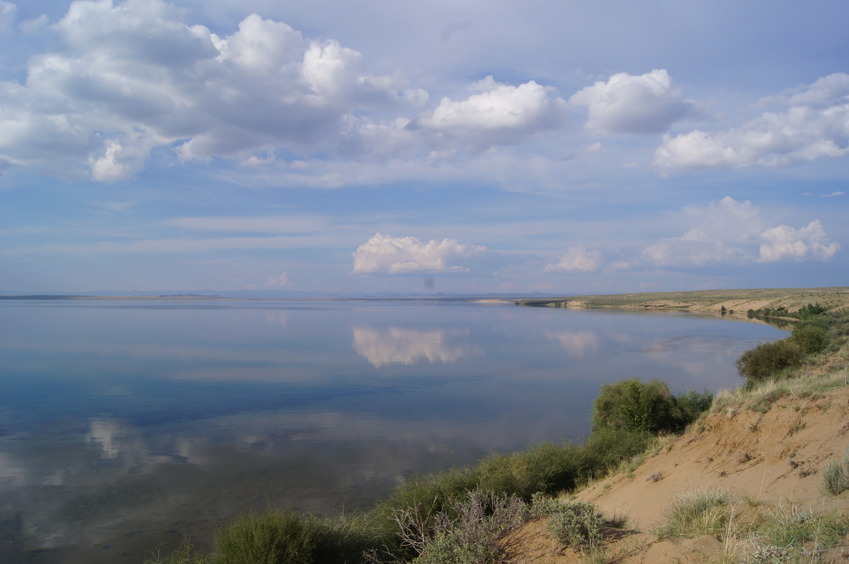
{"x": 731, "y": 304}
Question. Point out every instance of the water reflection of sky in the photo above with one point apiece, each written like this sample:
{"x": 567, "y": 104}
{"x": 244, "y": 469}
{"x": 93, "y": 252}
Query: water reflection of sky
{"x": 124, "y": 424}
{"x": 396, "y": 345}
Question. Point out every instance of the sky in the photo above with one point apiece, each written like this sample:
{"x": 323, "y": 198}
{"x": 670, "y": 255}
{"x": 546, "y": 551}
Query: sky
{"x": 368, "y": 147}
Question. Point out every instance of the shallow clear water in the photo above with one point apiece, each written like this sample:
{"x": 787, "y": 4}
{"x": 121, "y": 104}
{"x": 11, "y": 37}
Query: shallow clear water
{"x": 129, "y": 424}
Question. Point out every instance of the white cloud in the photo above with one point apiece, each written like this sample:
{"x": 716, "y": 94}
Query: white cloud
{"x": 734, "y": 232}
{"x": 121, "y": 159}
{"x": 578, "y": 258}
{"x": 7, "y": 16}
{"x": 692, "y": 248}
{"x": 647, "y": 103}
{"x": 275, "y": 282}
{"x": 814, "y": 124}
{"x": 381, "y": 139}
{"x": 129, "y": 77}
{"x": 727, "y": 219}
{"x": 594, "y": 149}
{"x": 398, "y": 255}
{"x": 35, "y": 24}
{"x": 784, "y": 241}
{"x": 498, "y": 114}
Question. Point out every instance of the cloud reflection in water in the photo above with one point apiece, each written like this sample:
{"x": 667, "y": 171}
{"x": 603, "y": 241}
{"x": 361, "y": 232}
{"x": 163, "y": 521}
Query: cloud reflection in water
{"x": 396, "y": 345}
{"x": 578, "y": 344}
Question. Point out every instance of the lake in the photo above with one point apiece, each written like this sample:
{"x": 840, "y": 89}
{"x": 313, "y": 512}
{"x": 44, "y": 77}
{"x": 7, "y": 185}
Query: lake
{"x": 126, "y": 424}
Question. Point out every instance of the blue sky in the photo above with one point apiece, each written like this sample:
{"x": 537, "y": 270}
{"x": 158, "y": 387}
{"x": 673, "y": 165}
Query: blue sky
{"x": 363, "y": 147}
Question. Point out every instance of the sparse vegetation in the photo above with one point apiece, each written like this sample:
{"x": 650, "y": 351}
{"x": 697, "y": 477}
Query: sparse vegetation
{"x": 576, "y": 525}
{"x": 815, "y": 333}
{"x": 696, "y": 513}
{"x": 835, "y": 478}
{"x": 790, "y": 534}
{"x": 468, "y": 533}
{"x": 185, "y": 554}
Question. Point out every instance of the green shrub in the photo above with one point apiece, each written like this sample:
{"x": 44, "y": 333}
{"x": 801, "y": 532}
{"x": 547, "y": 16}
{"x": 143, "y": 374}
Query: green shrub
{"x": 345, "y": 538}
{"x": 577, "y": 525}
{"x": 605, "y": 448}
{"x": 835, "y": 478}
{"x": 810, "y": 310}
{"x": 446, "y": 547}
{"x": 544, "y": 505}
{"x": 433, "y": 491}
{"x": 768, "y": 359}
{"x": 185, "y": 554}
{"x": 428, "y": 496}
{"x": 545, "y": 468}
{"x": 690, "y": 405}
{"x": 811, "y": 337}
{"x": 277, "y": 537}
{"x": 469, "y": 534}
{"x": 632, "y": 405}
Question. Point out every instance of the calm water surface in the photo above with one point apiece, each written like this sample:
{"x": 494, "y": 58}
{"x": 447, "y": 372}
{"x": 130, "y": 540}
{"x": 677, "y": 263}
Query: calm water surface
{"x": 129, "y": 424}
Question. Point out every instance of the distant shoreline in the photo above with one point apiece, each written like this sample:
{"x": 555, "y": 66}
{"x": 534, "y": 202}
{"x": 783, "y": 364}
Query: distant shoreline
{"x": 733, "y": 304}
{"x": 214, "y": 297}
{"x": 725, "y": 303}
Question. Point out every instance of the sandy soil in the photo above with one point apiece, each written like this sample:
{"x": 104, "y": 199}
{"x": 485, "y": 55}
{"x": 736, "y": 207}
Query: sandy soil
{"x": 769, "y": 460}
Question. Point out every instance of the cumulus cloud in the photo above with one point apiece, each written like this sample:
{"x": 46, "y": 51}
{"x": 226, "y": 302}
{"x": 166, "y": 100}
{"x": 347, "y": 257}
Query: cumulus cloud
{"x": 813, "y": 124}
{"x": 648, "y": 103}
{"x": 129, "y": 77}
{"x": 398, "y": 255}
{"x": 498, "y": 113}
{"x": 694, "y": 247}
{"x": 578, "y": 258}
{"x": 729, "y": 231}
{"x": 121, "y": 159}
{"x": 784, "y": 241}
